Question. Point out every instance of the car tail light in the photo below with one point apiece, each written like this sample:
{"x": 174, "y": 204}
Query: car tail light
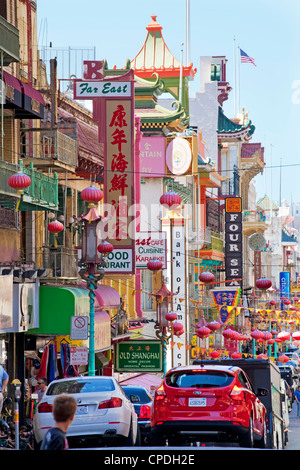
{"x": 145, "y": 412}
{"x": 160, "y": 393}
{"x": 114, "y": 402}
{"x": 45, "y": 407}
{"x": 237, "y": 393}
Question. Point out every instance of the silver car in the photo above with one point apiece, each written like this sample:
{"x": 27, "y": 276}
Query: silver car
{"x": 104, "y": 414}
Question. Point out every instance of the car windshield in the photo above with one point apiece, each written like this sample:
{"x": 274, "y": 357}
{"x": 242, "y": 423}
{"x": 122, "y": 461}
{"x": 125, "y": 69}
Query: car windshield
{"x": 205, "y": 378}
{"x": 81, "y": 386}
{"x": 140, "y": 395}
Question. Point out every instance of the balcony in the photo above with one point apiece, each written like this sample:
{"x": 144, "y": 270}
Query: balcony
{"x": 57, "y": 151}
{"x": 254, "y": 222}
{"x": 60, "y": 262}
{"x": 9, "y": 42}
{"x": 213, "y": 249}
{"x": 41, "y": 195}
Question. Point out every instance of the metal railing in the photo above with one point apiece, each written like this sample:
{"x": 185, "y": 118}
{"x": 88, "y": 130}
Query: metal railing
{"x": 60, "y": 261}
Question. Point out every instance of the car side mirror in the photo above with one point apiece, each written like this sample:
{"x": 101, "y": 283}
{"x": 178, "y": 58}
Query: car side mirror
{"x": 262, "y": 392}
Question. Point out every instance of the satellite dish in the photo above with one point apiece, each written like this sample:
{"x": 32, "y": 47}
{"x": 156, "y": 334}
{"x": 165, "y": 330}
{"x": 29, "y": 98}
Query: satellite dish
{"x": 257, "y": 242}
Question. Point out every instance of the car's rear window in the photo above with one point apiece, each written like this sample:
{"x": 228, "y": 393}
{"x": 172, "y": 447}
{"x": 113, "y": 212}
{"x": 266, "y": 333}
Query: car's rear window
{"x": 81, "y": 386}
{"x": 139, "y": 394}
{"x": 197, "y": 379}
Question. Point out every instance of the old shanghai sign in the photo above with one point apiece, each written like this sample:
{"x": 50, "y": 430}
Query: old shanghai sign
{"x": 234, "y": 241}
{"x": 138, "y": 356}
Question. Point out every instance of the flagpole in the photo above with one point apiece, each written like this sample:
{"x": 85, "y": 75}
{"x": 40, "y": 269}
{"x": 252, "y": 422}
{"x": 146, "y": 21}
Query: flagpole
{"x": 234, "y": 75}
{"x": 239, "y": 56}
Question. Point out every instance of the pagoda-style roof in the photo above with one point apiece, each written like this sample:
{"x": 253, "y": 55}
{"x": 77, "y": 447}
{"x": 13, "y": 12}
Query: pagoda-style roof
{"x": 233, "y": 130}
{"x": 155, "y": 56}
{"x": 267, "y": 204}
{"x": 155, "y": 117}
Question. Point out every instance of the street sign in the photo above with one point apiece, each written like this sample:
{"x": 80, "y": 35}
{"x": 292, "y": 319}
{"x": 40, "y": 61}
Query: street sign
{"x": 90, "y": 89}
{"x": 79, "y": 356}
{"x": 138, "y": 356}
{"x": 79, "y": 327}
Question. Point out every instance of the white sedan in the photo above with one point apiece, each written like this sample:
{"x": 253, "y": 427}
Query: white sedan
{"x": 104, "y": 413}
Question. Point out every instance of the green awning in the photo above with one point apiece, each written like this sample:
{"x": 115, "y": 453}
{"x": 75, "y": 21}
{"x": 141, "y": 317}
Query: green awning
{"x": 57, "y": 304}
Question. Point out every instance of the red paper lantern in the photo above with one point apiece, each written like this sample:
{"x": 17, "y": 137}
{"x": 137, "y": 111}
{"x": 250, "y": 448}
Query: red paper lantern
{"x": 296, "y": 336}
{"x": 262, "y": 356}
{"x": 284, "y": 335}
{"x": 55, "y": 227}
{"x": 170, "y": 200}
{"x": 19, "y": 181}
{"x": 203, "y": 332}
{"x": 171, "y": 316}
{"x": 92, "y": 194}
{"x": 267, "y": 335}
{"x": 177, "y": 329}
{"x": 213, "y": 325}
{"x": 236, "y": 355}
{"x": 105, "y": 247}
{"x": 229, "y": 334}
{"x": 283, "y": 359}
{"x": 207, "y": 276}
{"x": 287, "y": 302}
{"x": 154, "y": 264}
{"x": 256, "y": 334}
{"x": 271, "y": 341}
{"x": 263, "y": 283}
{"x": 273, "y": 302}
{"x": 215, "y": 354}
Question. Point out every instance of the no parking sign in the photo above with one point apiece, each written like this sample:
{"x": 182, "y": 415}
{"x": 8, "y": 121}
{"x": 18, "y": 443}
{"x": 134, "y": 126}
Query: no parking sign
{"x": 79, "y": 327}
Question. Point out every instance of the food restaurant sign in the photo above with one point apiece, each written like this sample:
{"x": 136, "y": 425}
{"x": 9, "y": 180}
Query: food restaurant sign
{"x": 138, "y": 356}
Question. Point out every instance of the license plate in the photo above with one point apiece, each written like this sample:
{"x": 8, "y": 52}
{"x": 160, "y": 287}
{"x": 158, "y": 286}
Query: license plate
{"x": 82, "y": 410}
{"x": 197, "y": 401}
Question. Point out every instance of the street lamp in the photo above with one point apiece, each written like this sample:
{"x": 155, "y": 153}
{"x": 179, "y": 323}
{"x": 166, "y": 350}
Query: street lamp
{"x": 92, "y": 261}
{"x": 164, "y": 320}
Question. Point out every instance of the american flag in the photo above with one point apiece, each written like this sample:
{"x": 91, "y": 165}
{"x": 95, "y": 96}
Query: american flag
{"x": 246, "y": 59}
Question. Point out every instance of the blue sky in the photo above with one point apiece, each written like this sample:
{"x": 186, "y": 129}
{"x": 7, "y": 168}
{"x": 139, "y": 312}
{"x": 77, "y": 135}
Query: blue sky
{"x": 267, "y": 30}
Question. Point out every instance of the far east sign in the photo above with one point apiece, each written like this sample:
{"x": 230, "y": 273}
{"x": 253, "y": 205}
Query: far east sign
{"x": 138, "y": 356}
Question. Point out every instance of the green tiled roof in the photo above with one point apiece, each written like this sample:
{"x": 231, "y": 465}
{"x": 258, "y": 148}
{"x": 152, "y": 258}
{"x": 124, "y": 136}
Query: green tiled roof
{"x": 227, "y": 126}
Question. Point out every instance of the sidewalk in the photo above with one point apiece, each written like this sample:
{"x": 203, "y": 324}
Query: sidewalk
{"x": 294, "y": 430}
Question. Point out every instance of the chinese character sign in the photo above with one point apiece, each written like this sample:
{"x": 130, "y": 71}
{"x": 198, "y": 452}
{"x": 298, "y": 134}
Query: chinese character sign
{"x": 119, "y": 169}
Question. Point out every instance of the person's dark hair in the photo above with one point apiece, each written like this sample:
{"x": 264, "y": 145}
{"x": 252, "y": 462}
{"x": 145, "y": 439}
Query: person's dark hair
{"x": 64, "y": 407}
{"x": 43, "y": 379}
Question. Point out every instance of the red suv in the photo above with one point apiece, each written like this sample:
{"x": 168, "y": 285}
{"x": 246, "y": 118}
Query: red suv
{"x": 208, "y": 400}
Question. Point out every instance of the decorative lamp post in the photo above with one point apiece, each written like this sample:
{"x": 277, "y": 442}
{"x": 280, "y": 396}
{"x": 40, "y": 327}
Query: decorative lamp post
{"x": 19, "y": 181}
{"x": 92, "y": 263}
{"x": 164, "y": 325}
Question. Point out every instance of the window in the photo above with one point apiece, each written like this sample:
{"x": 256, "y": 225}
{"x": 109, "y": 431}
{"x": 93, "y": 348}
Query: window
{"x": 198, "y": 379}
{"x": 81, "y": 386}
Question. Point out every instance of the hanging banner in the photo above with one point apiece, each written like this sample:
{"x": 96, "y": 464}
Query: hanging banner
{"x": 227, "y": 297}
{"x": 285, "y": 284}
{"x": 234, "y": 241}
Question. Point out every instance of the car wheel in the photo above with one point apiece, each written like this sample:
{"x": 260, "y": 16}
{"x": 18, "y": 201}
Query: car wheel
{"x": 138, "y": 440}
{"x": 129, "y": 441}
{"x": 263, "y": 442}
{"x": 247, "y": 440}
